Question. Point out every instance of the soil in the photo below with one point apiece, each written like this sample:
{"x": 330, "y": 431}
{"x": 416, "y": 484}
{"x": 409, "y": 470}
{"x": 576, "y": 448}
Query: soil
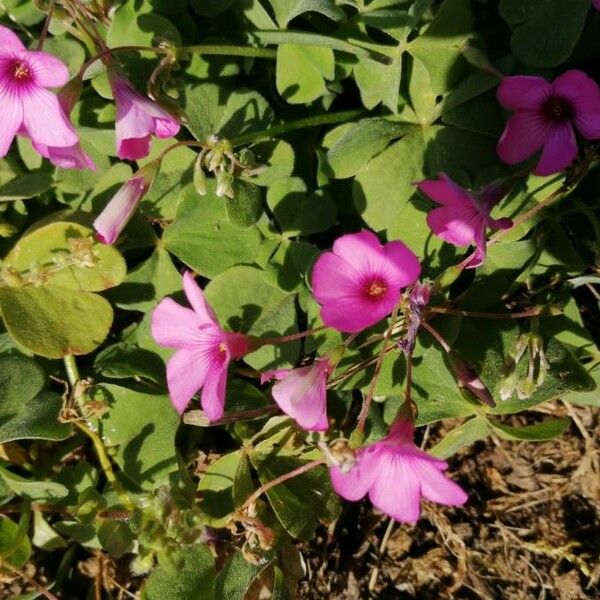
{"x": 531, "y": 530}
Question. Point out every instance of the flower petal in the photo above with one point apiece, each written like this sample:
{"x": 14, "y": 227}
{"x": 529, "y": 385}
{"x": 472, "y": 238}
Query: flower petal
{"x": 435, "y": 486}
{"x": 11, "y": 117}
{"x": 559, "y": 150}
{"x": 45, "y": 121}
{"x": 213, "y": 393}
{"x": 48, "y": 70}
{"x": 364, "y": 245}
{"x": 332, "y": 277}
{"x": 456, "y": 226}
{"x": 10, "y": 44}
{"x": 186, "y": 373}
{"x": 175, "y": 326}
{"x": 355, "y": 313}
{"x": 72, "y": 157}
{"x": 524, "y": 135}
{"x": 196, "y": 298}
{"x": 356, "y": 483}
{"x": 444, "y": 191}
{"x": 407, "y": 265}
{"x": 523, "y": 92}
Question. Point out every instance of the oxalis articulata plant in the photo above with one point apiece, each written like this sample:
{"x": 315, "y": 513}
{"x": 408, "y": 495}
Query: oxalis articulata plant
{"x": 248, "y": 258}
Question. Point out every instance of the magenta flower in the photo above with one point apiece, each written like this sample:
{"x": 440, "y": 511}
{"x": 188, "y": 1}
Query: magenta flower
{"x": 138, "y": 118}
{"x": 358, "y": 283}
{"x": 28, "y": 108}
{"x": 396, "y": 474}
{"x": 464, "y": 216}
{"x": 302, "y": 394}
{"x": 597, "y": 4}
{"x": 545, "y": 114}
{"x": 204, "y": 350}
{"x": 118, "y": 212}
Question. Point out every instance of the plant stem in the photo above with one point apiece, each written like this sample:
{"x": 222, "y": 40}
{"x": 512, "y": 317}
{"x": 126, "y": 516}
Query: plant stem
{"x": 73, "y": 377}
{"x": 271, "y": 484}
{"x": 289, "y": 338}
{"x": 446, "y": 310}
{"x": 364, "y": 413}
{"x": 199, "y": 420}
{"x": 316, "y": 121}
{"x": 438, "y": 338}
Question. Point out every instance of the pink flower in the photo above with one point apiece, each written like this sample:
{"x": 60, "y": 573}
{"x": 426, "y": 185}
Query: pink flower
{"x": 597, "y": 4}
{"x": 545, "y": 114}
{"x": 204, "y": 350}
{"x": 138, "y": 118}
{"x": 118, "y": 212}
{"x": 396, "y": 474}
{"x": 28, "y": 108}
{"x": 358, "y": 283}
{"x": 464, "y": 216}
{"x": 301, "y": 393}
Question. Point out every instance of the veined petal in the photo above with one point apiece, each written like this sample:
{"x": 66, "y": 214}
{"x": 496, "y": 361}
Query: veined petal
{"x": 355, "y": 313}
{"x": 11, "y": 118}
{"x": 524, "y": 135}
{"x": 45, "y": 121}
{"x": 196, "y": 298}
{"x": 456, "y": 226}
{"x": 435, "y": 486}
{"x": 10, "y": 44}
{"x": 332, "y": 277}
{"x": 356, "y": 483}
{"x": 445, "y": 192}
{"x": 186, "y": 373}
{"x": 406, "y": 266}
{"x": 213, "y": 393}
{"x": 523, "y": 92}
{"x": 175, "y": 326}
{"x": 48, "y": 71}
{"x": 73, "y": 157}
{"x": 559, "y": 150}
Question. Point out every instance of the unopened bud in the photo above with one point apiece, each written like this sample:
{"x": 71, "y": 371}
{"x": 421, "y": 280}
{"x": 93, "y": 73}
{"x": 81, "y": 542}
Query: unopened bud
{"x": 225, "y": 184}
{"x": 199, "y": 176}
{"x": 469, "y": 378}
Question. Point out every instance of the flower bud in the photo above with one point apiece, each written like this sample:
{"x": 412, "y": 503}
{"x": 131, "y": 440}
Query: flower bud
{"x": 469, "y": 378}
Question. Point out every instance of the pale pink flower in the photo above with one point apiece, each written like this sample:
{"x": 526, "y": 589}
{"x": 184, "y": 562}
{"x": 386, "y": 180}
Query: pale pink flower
{"x": 204, "y": 350}
{"x": 358, "y": 283}
{"x": 302, "y": 393}
{"x": 138, "y": 119}
{"x": 118, "y": 212}
{"x": 29, "y": 109}
{"x": 464, "y": 216}
{"x": 545, "y": 117}
{"x": 396, "y": 475}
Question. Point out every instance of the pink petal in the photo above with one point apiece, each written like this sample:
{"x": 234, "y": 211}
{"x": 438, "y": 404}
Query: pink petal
{"x": 186, "y": 373}
{"x": 597, "y": 4}
{"x": 302, "y": 395}
{"x": 73, "y": 157}
{"x": 196, "y": 298}
{"x": 132, "y": 148}
{"x": 275, "y": 374}
{"x": 444, "y": 191}
{"x": 213, "y": 393}
{"x": 356, "y": 483}
{"x": 456, "y": 226}
{"x": 396, "y": 490}
{"x": 10, "y": 44}
{"x": 44, "y": 120}
{"x": 354, "y": 313}
{"x": 523, "y": 92}
{"x": 478, "y": 257}
{"x": 166, "y": 127}
{"x": 332, "y": 277}
{"x": 435, "y": 486}
{"x": 524, "y": 135}
{"x": 583, "y": 92}
{"x": 175, "y": 326}
{"x": 11, "y": 117}
{"x": 407, "y": 265}
{"x": 48, "y": 70}
{"x": 364, "y": 245}
{"x": 559, "y": 150}
{"x": 401, "y": 432}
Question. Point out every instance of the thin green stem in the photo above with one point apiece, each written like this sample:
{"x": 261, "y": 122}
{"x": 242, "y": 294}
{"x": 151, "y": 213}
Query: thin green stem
{"x": 446, "y": 310}
{"x": 289, "y": 338}
{"x": 73, "y": 376}
{"x": 316, "y": 121}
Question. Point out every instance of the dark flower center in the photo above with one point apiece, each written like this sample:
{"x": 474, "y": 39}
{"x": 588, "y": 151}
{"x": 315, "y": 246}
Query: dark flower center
{"x": 376, "y": 289}
{"x": 21, "y": 71}
{"x": 557, "y": 109}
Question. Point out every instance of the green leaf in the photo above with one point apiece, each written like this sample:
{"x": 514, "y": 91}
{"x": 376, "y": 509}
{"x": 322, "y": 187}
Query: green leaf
{"x": 25, "y": 411}
{"x": 590, "y": 397}
{"x": 34, "y": 490}
{"x": 124, "y": 360}
{"x": 245, "y": 303}
{"x": 202, "y": 237}
{"x": 245, "y": 208}
{"x": 26, "y": 186}
{"x": 288, "y": 267}
{"x": 277, "y": 156}
{"x": 14, "y": 547}
{"x": 286, "y": 10}
{"x": 194, "y": 579}
{"x": 538, "y": 432}
{"x": 115, "y": 536}
{"x": 54, "y": 321}
{"x": 144, "y": 428}
{"x": 52, "y": 250}
{"x": 300, "y": 503}
{"x": 44, "y": 536}
{"x": 477, "y": 428}
{"x": 544, "y": 33}
{"x": 236, "y": 577}
{"x": 302, "y": 71}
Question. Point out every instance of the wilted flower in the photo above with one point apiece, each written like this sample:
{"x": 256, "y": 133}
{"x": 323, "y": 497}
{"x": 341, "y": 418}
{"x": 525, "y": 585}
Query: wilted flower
{"x": 359, "y": 282}
{"x": 417, "y": 299}
{"x": 204, "y": 350}
{"x": 545, "y": 116}
{"x": 396, "y": 474}
{"x": 29, "y": 109}
{"x": 118, "y": 212}
{"x": 138, "y": 118}
{"x": 464, "y": 216}
{"x": 302, "y": 393}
